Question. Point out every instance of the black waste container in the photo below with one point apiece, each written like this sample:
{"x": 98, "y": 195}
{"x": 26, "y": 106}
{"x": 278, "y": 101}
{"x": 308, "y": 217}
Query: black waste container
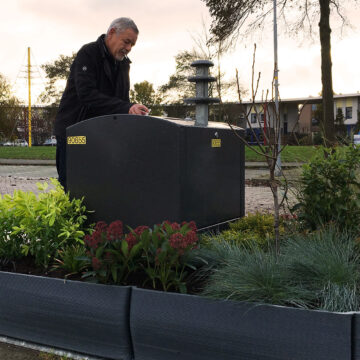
{"x": 143, "y": 170}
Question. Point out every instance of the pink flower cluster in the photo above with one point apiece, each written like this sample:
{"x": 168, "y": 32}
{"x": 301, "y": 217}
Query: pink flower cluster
{"x": 190, "y": 224}
{"x": 131, "y": 239}
{"x": 115, "y": 230}
{"x": 176, "y": 226}
{"x": 93, "y": 241}
{"x": 179, "y": 241}
{"x": 140, "y": 229}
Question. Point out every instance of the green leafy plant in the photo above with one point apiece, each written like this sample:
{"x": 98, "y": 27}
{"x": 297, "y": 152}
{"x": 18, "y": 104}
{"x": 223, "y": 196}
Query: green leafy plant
{"x": 10, "y": 244}
{"x": 71, "y": 259}
{"x": 111, "y": 254}
{"x": 42, "y": 224}
{"x": 166, "y": 250}
{"x": 330, "y": 189}
{"x": 160, "y": 253}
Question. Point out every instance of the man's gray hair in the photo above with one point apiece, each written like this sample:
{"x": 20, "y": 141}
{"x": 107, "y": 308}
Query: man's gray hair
{"x": 123, "y": 23}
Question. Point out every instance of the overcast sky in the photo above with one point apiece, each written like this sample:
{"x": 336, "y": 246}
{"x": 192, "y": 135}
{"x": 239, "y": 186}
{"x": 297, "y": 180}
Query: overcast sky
{"x": 55, "y": 27}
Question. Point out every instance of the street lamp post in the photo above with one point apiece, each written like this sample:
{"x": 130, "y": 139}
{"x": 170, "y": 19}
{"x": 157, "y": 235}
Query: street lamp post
{"x": 276, "y": 85}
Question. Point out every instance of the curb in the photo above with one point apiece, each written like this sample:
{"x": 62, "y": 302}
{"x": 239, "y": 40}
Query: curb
{"x": 248, "y": 164}
{"x": 27, "y": 162}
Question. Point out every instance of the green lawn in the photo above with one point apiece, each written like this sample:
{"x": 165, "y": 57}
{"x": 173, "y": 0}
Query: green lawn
{"x": 289, "y": 154}
{"x": 35, "y": 152}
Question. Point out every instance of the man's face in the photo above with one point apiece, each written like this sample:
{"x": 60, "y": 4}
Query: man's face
{"x": 120, "y": 44}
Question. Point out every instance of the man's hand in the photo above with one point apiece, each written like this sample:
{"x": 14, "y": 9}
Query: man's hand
{"x": 138, "y": 109}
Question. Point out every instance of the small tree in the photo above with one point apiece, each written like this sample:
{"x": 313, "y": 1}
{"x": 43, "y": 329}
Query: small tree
{"x": 144, "y": 93}
{"x": 178, "y": 87}
{"x": 56, "y": 71}
{"x": 271, "y": 136}
{"x": 9, "y": 110}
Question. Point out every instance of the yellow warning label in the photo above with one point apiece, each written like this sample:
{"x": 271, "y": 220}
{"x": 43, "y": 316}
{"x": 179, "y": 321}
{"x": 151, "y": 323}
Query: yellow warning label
{"x": 76, "y": 140}
{"x": 215, "y": 142}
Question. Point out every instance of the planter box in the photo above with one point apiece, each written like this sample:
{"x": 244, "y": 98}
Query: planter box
{"x": 75, "y": 316}
{"x": 173, "y": 326}
{"x": 117, "y": 322}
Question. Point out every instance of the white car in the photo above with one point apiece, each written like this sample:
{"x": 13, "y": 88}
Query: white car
{"x": 50, "y": 142}
{"x": 17, "y": 142}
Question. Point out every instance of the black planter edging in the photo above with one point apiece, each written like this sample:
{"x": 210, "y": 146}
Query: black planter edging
{"x": 75, "y": 316}
{"x": 356, "y": 337}
{"x": 174, "y": 326}
{"x": 126, "y": 323}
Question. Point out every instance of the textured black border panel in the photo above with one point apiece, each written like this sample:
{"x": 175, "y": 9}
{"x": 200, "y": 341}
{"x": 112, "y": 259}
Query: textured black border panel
{"x": 173, "y": 326}
{"x": 356, "y": 336}
{"x": 86, "y": 318}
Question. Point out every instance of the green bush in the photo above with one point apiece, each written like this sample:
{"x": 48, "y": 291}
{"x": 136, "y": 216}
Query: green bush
{"x": 252, "y": 229}
{"x": 70, "y": 259}
{"x": 330, "y": 189}
{"x": 40, "y": 225}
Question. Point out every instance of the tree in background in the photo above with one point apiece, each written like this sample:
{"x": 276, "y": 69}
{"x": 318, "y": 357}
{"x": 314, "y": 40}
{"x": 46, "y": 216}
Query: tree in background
{"x": 56, "y": 72}
{"x": 9, "y": 110}
{"x": 144, "y": 93}
{"x": 229, "y": 16}
{"x": 178, "y": 87}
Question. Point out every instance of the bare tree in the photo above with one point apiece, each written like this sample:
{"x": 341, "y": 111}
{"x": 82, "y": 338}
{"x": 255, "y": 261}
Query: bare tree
{"x": 229, "y": 16}
{"x": 267, "y": 142}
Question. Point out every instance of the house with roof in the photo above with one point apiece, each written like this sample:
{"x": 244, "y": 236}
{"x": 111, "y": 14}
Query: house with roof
{"x": 301, "y": 115}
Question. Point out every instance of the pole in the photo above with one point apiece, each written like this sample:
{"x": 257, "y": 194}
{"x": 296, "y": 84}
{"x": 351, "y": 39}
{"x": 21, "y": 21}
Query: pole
{"x": 277, "y": 121}
{"x": 29, "y": 85}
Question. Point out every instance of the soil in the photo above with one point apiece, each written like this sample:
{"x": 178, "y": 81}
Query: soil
{"x": 139, "y": 279}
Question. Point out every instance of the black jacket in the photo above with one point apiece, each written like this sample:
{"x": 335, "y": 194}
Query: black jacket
{"x": 97, "y": 85}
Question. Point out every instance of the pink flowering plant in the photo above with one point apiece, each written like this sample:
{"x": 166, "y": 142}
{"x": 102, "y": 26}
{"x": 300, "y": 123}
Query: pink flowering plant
{"x": 111, "y": 254}
{"x": 160, "y": 254}
{"x": 166, "y": 250}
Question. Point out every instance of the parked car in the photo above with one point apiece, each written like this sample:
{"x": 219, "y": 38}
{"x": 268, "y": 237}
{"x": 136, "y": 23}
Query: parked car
{"x": 21, "y": 142}
{"x": 17, "y": 142}
{"x": 50, "y": 141}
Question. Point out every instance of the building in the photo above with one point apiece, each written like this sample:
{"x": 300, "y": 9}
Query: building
{"x": 301, "y": 115}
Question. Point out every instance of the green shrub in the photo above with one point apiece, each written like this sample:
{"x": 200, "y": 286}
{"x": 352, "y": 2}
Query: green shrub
{"x": 330, "y": 189}
{"x": 70, "y": 259}
{"x": 252, "y": 229}
{"x": 40, "y": 225}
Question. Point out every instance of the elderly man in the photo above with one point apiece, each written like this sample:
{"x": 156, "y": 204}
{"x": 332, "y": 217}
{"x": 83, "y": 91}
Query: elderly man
{"x": 98, "y": 84}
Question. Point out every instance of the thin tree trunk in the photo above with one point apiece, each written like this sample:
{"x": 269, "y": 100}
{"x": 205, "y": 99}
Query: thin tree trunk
{"x": 274, "y": 190}
{"x": 326, "y": 73}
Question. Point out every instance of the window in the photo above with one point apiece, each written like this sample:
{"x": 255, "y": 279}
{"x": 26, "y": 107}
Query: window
{"x": 348, "y": 112}
{"x": 253, "y": 118}
{"x": 262, "y": 118}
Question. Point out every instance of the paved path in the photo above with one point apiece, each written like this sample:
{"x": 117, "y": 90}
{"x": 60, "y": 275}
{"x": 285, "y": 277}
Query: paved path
{"x": 25, "y": 178}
